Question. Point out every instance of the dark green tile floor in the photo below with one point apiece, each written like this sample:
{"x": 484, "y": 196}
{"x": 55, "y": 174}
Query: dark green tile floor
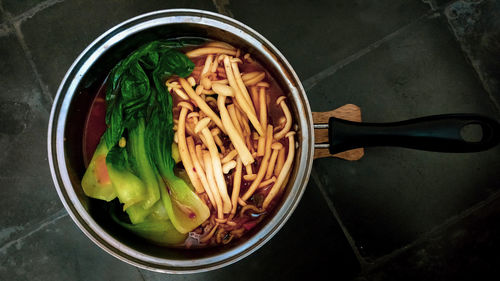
{"x": 26, "y": 188}
{"x": 395, "y": 214}
{"x": 393, "y": 195}
{"x": 315, "y": 35}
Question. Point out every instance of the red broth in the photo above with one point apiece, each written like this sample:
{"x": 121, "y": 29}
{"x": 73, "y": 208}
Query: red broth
{"x": 95, "y": 124}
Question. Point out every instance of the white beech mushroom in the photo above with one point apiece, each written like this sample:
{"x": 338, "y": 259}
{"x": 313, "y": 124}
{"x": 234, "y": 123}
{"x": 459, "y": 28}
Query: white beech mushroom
{"x": 183, "y": 150}
{"x": 199, "y": 170}
{"x": 206, "y": 67}
{"x": 255, "y": 98}
{"x": 230, "y": 156}
{"x": 284, "y": 172}
{"x": 207, "y": 237}
{"x": 189, "y": 128}
{"x": 263, "y": 84}
{"x": 243, "y": 121}
{"x": 233, "y": 134}
{"x": 209, "y": 50}
{"x": 211, "y": 100}
{"x": 254, "y": 80}
{"x": 241, "y": 85}
{"x": 242, "y": 102}
{"x": 201, "y": 104}
{"x": 191, "y": 81}
{"x": 207, "y": 92}
{"x": 276, "y": 147}
{"x": 195, "y": 115}
{"x": 215, "y": 133}
{"x": 212, "y": 184}
{"x": 263, "y": 107}
{"x": 241, "y": 202}
{"x": 232, "y": 113}
{"x": 280, "y": 162}
{"x": 224, "y": 90}
{"x": 250, "y": 75}
{"x": 220, "y": 44}
{"x": 267, "y": 182}
{"x": 170, "y": 83}
{"x": 281, "y": 102}
{"x": 215, "y": 64}
{"x": 191, "y": 120}
{"x": 199, "y": 154}
{"x": 222, "y": 81}
{"x": 247, "y": 58}
{"x": 206, "y": 83}
{"x": 248, "y": 169}
{"x": 249, "y": 207}
{"x": 249, "y": 143}
{"x": 199, "y": 90}
{"x": 261, "y": 146}
{"x": 255, "y": 142}
{"x": 250, "y": 177}
{"x": 180, "y": 93}
{"x": 236, "y": 185}
{"x": 216, "y": 164}
{"x": 255, "y": 136}
{"x": 263, "y": 166}
{"x": 227, "y": 167}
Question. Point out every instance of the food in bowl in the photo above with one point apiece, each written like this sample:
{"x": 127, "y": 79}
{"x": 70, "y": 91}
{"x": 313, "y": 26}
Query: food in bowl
{"x": 192, "y": 144}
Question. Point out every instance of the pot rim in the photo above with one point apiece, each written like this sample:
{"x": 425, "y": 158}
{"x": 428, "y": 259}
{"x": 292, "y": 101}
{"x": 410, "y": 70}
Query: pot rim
{"x": 56, "y": 147}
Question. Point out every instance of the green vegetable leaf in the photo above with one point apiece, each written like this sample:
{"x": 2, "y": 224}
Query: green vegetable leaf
{"x": 129, "y": 91}
{"x": 141, "y": 163}
{"x": 140, "y": 107}
{"x": 130, "y": 189}
{"x": 96, "y": 182}
{"x": 159, "y": 232}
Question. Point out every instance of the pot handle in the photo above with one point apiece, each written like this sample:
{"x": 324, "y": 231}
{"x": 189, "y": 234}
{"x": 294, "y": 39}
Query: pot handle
{"x": 443, "y": 133}
{"x": 350, "y": 112}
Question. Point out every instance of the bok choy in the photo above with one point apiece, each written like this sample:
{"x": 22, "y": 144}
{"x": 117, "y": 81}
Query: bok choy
{"x": 139, "y": 170}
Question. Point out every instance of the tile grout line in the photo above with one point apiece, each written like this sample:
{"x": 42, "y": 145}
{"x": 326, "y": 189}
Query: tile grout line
{"x": 34, "y": 10}
{"x": 492, "y": 98}
{"x": 369, "y": 266}
{"x": 432, "y": 4}
{"x": 435, "y": 230}
{"x": 47, "y": 97}
{"x": 332, "y": 208}
{"x": 13, "y": 24}
{"x": 441, "y": 10}
{"x": 47, "y": 221}
{"x": 140, "y": 273}
{"x": 312, "y": 81}
{"x": 476, "y": 67}
{"x": 6, "y": 29}
{"x": 221, "y": 7}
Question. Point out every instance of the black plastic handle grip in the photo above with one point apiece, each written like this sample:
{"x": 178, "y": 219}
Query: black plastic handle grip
{"x": 433, "y": 133}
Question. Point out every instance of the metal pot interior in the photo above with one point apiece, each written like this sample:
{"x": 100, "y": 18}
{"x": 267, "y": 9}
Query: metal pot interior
{"x": 72, "y": 105}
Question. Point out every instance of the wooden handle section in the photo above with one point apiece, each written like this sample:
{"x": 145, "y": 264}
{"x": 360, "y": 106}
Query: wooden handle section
{"x": 349, "y": 112}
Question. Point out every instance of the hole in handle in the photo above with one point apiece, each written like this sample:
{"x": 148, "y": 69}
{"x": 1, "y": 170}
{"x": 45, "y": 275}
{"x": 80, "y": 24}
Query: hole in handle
{"x": 472, "y": 132}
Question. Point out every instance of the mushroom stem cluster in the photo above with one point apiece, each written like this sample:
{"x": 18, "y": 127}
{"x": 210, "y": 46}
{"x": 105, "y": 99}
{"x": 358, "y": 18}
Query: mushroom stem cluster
{"x": 228, "y": 145}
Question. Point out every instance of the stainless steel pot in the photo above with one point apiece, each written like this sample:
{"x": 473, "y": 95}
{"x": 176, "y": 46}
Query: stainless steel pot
{"x": 72, "y": 104}
{"x": 74, "y": 97}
